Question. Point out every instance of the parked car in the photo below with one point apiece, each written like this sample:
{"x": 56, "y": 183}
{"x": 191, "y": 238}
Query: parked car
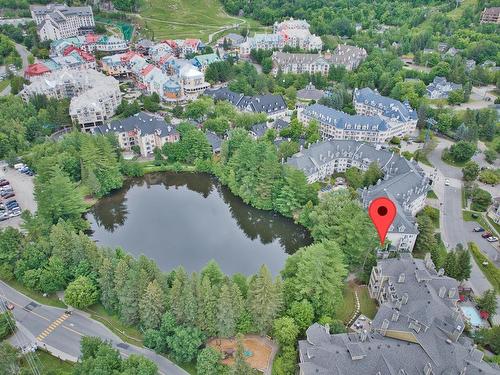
{"x": 486, "y": 234}
{"x": 19, "y": 166}
{"x": 4, "y": 217}
{"x": 12, "y": 205}
{"x": 9, "y": 195}
{"x": 24, "y": 169}
{"x": 492, "y": 239}
{"x": 15, "y": 213}
{"x": 4, "y": 183}
{"x": 447, "y": 182}
{"x": 478, "y": 229}
{"x": 475, "y": 216}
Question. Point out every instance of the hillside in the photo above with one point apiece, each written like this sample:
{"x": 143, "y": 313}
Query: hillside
{"x": 187, "y": 18}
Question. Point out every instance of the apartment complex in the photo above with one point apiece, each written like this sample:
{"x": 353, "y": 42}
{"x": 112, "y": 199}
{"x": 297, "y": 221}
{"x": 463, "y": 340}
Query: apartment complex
{"x": 417, "y": 330}
{"x": 292, "y": 33}
{"x": 274, "y": 106}
{"x": 90, "y": 43}
{"x": 404, "y": 181}
{"x": 94, "y": 96}
{"x": 490, "y": 15}
{"x": 59, "y": 21}
{"x": 144, "y": 130}
{"x": 378, "y": 118}
{"x": 173, "y": 79}
{"x": 297, "y": 63}
{"x": 335, "y": 124}
{"x": 400, "y": 116}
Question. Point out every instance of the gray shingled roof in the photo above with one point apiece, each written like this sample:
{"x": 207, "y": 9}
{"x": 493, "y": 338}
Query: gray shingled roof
{"x": 145, "y": 122}
{"x": 342, "y": 120}
{"x": 373, "y": 353}
{"x": 391, "y": 108}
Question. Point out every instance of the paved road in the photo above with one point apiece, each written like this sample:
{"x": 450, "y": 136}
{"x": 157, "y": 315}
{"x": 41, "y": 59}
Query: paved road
{"x": 23, "y": 52}
{"x": 52, "y": 327}
{"x": 453, "y": 229}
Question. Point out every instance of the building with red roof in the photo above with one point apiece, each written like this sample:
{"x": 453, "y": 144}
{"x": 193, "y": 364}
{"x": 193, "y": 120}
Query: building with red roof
{"x": 34, "y": 70}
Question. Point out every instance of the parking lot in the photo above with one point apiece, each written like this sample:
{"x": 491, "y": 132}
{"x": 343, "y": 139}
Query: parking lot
{"x": 22, "y": 186}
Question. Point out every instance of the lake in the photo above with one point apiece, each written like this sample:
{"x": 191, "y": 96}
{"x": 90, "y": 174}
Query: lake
{"x": 190, "y": 218}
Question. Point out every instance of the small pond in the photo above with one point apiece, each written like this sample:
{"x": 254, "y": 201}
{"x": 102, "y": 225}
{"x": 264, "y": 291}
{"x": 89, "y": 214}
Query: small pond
{"x": 188, "y": 219}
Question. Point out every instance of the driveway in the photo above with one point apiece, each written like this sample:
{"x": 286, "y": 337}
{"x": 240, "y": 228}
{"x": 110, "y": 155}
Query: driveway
{"x": 61, "y": 333}
{"x": 23, "y": 188}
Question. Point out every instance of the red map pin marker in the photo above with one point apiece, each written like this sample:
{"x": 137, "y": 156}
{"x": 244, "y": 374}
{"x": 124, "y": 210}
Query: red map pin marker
{"x": 382, "y": 211}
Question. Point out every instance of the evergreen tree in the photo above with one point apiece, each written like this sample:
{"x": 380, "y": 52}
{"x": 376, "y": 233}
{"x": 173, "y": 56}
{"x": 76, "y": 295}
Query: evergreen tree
{"x": 207, "y": 307}
{"x": 152, "y": 306}
{"x": 488, "y": 302}
{"x": 107, "y": 284}
{"x": 426, "y": 241}
{"x": 227, "y": 312}
{"x": 264, "y": 300}
{"x": 208, "y": 362}
{"x": 129, "y": 297}
{"x": 450, "y": 265}
{"x": 464, "y": 265}
{"x": 177, "y": 294}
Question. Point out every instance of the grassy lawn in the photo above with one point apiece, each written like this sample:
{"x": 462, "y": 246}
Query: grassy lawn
{"x": 150, "y": 167}
{"x": 431, "y": 195}
{"x": 448, "y": 160}
{"x": 178, "y": 19}
{"x": 50, "y": 300}
{"x": 467, "y": 216}
{"x": 3, "y": 84}
{"x": 127, "y": 333}
{"x": 464, "y": 198}
{"x": 490, "y": 271}
{"x": 493, "y": 224}
{"x": 50, "y": 364}
{"x": 368, "y": 306}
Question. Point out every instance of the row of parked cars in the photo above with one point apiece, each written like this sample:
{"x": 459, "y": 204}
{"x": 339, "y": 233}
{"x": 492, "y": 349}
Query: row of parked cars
{"x": 486, "y": 235}
{"x": 23, "y": 168}
{"x": 8, "y": 207}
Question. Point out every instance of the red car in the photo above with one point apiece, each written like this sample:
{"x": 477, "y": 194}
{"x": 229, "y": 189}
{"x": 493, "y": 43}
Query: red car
{"x": 486, "y": 235}
{"x": 5, "y": 182}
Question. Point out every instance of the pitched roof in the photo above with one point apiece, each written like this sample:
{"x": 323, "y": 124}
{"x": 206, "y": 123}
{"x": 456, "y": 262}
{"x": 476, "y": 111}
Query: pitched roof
{"x": 391, "y": 108}
{"x": 145, "y": 122}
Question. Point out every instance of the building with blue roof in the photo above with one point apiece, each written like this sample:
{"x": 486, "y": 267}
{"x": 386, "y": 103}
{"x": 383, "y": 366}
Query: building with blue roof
{"x": 400, "y": 116}
{"x": 203, "y": 61}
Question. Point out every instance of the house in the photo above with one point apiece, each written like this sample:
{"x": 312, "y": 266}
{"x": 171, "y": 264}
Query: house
{"x": 203, "y": 61}
{"x": 94, "y": 96}
{"x": 59, "y": 21}
{"x": 440, "y": 88}
{"x": 494, "y": 210}
{"x": 142, "y": 129}
{"x": 143, "y": 45}
{"x": 442, "y": 47}
{"x": 417, "y": 329}
{"x": 258, "y": 130}
{"x": 280, "y": 124}
{"x": 404, "y": 181}
{"x": 274, "y": 106}
{"x": 401, "y": 117}
{"x": 310, "y": 93}
{"x": 490, "y": 15}
{"x": 297, "y": 63}
{"x": 214, "y": 140}
{"x": 347, "y": 56}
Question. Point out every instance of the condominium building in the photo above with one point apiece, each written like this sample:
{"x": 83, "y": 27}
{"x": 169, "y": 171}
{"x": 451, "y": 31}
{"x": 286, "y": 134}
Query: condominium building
{"x": 59, "y": 21}
{"x": 417, "y": 329}
{"x": 94, "y": 96}
{"x": 490, "y": 15}
{"x": 292, "y": 33}
{"x": 147, "y": 131}
{"x": 404, "y": 182}
{"x": 297, "y": 63}
{"x": 401, "y": 117}
{"x": 274, "y": 106}
{"x": 347, "y": 56}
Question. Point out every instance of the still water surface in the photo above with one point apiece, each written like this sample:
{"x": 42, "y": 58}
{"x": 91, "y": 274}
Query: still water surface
{"x": 188, "y": 219}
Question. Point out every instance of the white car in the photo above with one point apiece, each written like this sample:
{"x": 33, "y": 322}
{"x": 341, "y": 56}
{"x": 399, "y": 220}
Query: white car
{"x": 492, "y": 239}
{"x": 447, "y": 182}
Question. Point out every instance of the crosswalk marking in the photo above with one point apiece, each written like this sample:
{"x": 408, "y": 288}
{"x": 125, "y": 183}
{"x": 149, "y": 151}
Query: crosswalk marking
{"x": 52, "y": 326}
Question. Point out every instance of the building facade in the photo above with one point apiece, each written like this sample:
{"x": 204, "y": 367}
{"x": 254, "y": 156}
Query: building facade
{"x": 404, "y": 181}
{"x": 94, "y": 96}
{"x": 347, "y": 56}
{"x": 144, "y": 130}
{"x": 299, "y": 63}
{"x": 58, "y": 21}
{"x": 490, "y": 15}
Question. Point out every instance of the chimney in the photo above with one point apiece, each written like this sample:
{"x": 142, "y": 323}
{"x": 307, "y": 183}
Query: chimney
{"x": 401, "y": 278}
{"x": 395, "y": 316}
{"x": 404, "y": 299}
{"x": 363, "y": 335}
{"x": 441, "y": 272}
